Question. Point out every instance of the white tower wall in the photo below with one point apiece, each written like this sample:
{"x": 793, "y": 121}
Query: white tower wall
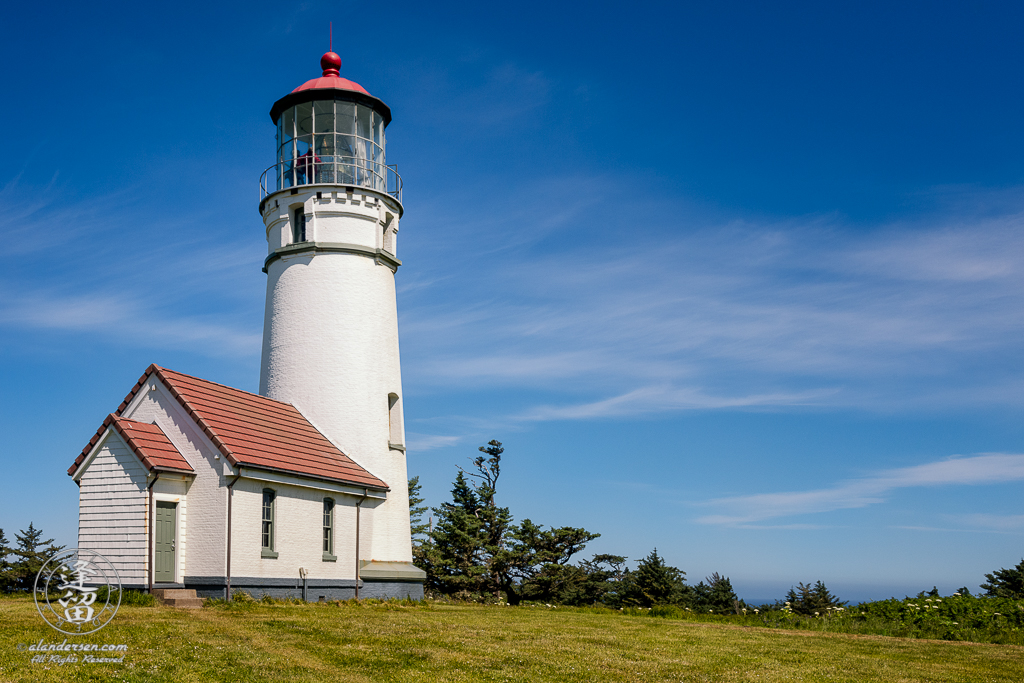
{"x": 330, "y": 337}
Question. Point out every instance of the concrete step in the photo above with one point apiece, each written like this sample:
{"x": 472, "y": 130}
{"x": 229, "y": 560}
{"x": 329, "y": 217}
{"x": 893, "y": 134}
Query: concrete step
{"x": 184, "y": 603}
{"x": 182, "y": 598}
{"x": 161, "y": 593}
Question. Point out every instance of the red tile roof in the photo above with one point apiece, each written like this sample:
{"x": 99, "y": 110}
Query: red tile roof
{"x": 254, "y": 431}
{"x": 149, "y": 443}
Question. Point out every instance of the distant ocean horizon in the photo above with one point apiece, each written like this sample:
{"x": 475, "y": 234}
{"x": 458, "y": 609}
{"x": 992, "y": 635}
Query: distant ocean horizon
{"x": 766, "y": 594}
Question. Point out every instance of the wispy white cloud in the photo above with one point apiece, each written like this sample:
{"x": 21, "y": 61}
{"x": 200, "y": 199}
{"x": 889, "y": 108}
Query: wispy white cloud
{"x": 428, "y": 442}
{"x": 992, "y": 522}
{"x": 647, "y": 400}
{"x": 695, "y": 312}
{"x": 989, "y": 468}
{"x": 128, "y": 320}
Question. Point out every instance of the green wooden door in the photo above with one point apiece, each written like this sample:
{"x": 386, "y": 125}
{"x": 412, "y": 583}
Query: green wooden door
{"x": 164, "y": 550}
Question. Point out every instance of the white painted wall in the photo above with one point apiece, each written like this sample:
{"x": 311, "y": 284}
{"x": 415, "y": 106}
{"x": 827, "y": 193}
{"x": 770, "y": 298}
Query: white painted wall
{"x": 330, "y": 342}
{"x": 206, "y": 541}
{"x": 298, "y": 532}
{"x": 112, "y": 508}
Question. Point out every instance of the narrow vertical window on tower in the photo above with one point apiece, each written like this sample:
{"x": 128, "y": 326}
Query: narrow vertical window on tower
{"x": 269, "y": 499}
{"x": 299, "y": 226}
{"x": 329, "y": 530}
{"x": 389, "y": 234}
{"x": 395, "y": 421}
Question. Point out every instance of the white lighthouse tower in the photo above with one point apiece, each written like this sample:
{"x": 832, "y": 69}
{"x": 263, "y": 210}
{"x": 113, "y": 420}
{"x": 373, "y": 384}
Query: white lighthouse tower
{"x": 331, "y": 206}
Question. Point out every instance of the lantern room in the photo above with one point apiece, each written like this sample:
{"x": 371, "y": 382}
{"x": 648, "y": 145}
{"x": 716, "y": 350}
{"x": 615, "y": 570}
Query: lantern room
{"x": 330, "y": 131}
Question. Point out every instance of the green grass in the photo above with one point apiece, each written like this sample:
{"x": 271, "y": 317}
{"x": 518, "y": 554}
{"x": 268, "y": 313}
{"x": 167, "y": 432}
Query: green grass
{"x": 445, "y": 642}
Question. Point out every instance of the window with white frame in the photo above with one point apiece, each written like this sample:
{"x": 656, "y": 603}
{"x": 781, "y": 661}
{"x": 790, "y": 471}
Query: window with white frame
{"x": 269, "y": 505}
{"x": 329, "y": 530}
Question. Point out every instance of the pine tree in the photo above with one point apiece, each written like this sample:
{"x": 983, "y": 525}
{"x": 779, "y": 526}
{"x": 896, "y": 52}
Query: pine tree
{"x": 32, "y": 553}
{"x": 1005, "y": 583}
{"x": 474, "y": 546}
{"x": 653, "y": 583}
{"x": 5, "y": 579}
{"x": 808, "y": 599}
{"x": 454, "y": 555}
{"x": 717, "y": 595}
{"x": 417, "y": 526}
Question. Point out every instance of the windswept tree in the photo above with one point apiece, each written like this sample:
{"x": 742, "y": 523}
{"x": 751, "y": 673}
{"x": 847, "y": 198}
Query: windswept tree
{"x": 588, "y": 582}
{"x": 476, "y": 547}
{"x": 531, "y": 552}
{"x": 1005, "y": 583}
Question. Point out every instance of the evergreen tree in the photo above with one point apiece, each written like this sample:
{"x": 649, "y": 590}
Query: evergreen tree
{"x": 5, "y": 579}
{"x": 1005, "y": 583}
{"x": 808, "y": 599}
{"x": 32, "y": 553}
{"x": 653, "y": 583}
{"x": 717, "y": 595}
{"x": 417, "y": 526}
{"x": 495, "y": 521}
{"x": 475, "y": 547}
{"x": 587, "y": 583}
{"x": 454, "y": 555}
{"x": 536, "y": 560}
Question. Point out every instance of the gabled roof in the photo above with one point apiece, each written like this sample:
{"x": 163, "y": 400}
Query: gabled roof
{"x": 147, "y": 441}
{"x": 253, "y": 431}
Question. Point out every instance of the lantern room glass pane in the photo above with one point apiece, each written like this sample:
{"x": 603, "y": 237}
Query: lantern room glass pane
{"x": 363, "y": 128}
{"x": 345, "y": 117}
{"x": 346, "y": 159}
{"x": 323, "y": 116}
{"x": 323, "y": 145}
{"x": 287, "y": 124}
{"x": 323, "y": 149}
{"x": 304, "y": 119}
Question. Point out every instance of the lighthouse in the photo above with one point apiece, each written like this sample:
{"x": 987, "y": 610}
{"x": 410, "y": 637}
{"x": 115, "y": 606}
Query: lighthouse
{"x": 196, "y": 489}
{"x": 331, "y": 208}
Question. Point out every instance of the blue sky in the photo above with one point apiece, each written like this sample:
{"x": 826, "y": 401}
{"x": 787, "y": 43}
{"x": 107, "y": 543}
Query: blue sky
{"x": 741, "y": 282}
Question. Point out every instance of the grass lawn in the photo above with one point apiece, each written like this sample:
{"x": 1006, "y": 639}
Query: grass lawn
{"x": 440, "y": 642}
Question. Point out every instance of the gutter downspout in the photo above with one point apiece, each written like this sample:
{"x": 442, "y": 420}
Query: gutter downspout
{"x": 366, "y": 494}
{"x": 231, "y": 495}
{"x": 152, "y": 529}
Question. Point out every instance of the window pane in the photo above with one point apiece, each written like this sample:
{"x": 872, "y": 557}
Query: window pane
{"x": 304, "y": 119}
{"x": 328, "y": 525}
{"x": 268, "y": 520}
{"x": 287, "y": 124}
{"x": 323, "y": 145}
{"x": 345, "y": 117}
{"x": 346, "y": 153}
{"x": 363, "y": 122}
{"x": 323, "y": 116}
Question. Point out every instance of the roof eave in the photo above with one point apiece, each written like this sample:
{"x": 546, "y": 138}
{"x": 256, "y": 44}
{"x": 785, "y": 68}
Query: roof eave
{"x": 314, "y": 94}
{"x": 347, "y": 482}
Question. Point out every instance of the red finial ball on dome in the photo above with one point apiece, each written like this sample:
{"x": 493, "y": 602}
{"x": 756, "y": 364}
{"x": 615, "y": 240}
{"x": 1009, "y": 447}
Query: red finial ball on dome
{"x": 331, "y": 64}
